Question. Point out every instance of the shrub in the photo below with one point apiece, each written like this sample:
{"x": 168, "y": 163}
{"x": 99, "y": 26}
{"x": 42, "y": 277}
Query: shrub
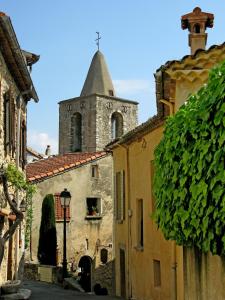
{"x": 189, "y": 179}
{"x": 47, "y": 237}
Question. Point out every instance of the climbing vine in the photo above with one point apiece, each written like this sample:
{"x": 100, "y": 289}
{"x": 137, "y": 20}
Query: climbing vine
{"x": 189, "y": 181}
{"x": 18, "y": 182}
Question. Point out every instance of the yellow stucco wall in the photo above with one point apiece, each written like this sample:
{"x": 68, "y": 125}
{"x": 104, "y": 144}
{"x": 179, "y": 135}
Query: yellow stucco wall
{"x": 134, "y": 157}
{"x": 139, "y": 262}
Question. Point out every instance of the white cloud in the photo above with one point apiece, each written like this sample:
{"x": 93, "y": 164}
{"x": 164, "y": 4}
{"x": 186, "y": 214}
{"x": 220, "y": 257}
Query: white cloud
{"x": 140, "y": 90}
{"x": 39, "y": 141}
{"x": 132, "y": 86}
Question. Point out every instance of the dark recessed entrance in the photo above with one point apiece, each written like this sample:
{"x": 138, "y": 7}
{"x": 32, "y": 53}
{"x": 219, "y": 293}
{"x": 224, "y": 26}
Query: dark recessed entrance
{"x": 85, "y": 264}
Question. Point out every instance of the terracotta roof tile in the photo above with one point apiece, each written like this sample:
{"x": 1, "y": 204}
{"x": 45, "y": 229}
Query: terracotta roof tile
{"x": 169, "y": 63}
{"x": 53, "y": 165}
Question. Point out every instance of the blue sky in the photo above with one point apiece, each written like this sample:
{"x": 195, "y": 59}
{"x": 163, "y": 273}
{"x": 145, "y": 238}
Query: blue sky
{"x": 137, "y": 38}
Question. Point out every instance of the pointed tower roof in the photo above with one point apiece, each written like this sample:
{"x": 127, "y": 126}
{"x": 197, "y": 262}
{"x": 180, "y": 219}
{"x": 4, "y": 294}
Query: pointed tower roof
{"x": 98, "y": 80}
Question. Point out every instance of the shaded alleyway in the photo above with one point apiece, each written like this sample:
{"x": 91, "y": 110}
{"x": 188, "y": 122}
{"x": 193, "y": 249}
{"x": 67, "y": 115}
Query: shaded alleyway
{"x": 42, "y": 290}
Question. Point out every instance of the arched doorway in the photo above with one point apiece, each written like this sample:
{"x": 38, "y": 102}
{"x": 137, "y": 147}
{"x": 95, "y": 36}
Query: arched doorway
{"x": 85, "y": 264}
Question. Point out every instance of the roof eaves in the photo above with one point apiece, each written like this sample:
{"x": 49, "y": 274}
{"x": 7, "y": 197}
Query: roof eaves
{"x": 58, "y": 171}
{"x": 17, "y": 57}
{"x": 170, "y": 63}
{"x": 138, "y": 131}
{"x": 100, "y": 95}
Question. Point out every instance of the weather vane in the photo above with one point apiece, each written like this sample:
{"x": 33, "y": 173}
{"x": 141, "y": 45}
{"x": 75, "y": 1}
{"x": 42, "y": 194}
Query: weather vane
{"x": 97, "y": 40}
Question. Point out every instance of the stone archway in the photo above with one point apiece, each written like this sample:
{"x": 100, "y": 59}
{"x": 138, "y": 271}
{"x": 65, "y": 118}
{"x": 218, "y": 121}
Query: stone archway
{"x": 85, "y": 264}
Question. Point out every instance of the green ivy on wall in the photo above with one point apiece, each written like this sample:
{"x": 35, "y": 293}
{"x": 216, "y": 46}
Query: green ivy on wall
{"x": 189, "y": 181}
{"x": 18, "y": 182}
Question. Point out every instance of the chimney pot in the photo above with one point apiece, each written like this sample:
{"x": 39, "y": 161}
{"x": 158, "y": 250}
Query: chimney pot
{"x": 196, "y": 22}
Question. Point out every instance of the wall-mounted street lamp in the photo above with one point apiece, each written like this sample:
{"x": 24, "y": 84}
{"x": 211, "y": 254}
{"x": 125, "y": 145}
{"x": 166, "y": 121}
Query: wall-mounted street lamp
{"x": 23, "y": 206}
{"x": 65, "y": 198}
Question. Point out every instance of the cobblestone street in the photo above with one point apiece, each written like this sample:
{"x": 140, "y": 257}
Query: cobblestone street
{"x": 42, "y": 290}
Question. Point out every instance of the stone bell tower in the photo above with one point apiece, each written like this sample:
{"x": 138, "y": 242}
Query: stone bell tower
{"x": 197, "y": 22}
{"x": 89, "y": 122}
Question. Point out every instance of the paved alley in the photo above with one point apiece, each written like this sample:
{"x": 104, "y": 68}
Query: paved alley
{"x": 42, "y": 290}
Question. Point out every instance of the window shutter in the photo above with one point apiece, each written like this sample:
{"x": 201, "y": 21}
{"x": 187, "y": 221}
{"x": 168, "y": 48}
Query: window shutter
{"x": 115, "y": 197}
{"x": 122, "y": 183}
{"x": 118, "y": 195}
{"x": 12, "y": 123}
{"x": 59, "y": 213}
{"x": 6, "y": 123}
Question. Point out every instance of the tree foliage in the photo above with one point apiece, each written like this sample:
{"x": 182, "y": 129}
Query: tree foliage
{"x": 189, "y": 179}
{"x": 47, "y": 237}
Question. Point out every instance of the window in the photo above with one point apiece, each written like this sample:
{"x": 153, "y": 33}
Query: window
{"x": 140, "y": 224}
{"x": 93, "y": 207}
{"x": 116, "y": 125}
{"x": 76, "y": 132}
{"x": 152, "y": 172}
{"x": 94, "y": 171}
{"x": 9, "y": 123}
{"x": 157, "y": 273}
{"x": 111, "y": 93}
{"x": 23, "y": 136}
{"x": 120, "y": 195}
{"x": 59, "y": 211}
{"x": 104, "y": 255}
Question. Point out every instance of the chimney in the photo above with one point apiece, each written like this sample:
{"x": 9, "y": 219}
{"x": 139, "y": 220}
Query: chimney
{"x": 197, "y": 22}
{"x": 48, "y": 151}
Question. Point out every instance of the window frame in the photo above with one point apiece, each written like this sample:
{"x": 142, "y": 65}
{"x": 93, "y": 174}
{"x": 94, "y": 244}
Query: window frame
{"x": 95, "y": 171}
{"x": 98, "y": 206}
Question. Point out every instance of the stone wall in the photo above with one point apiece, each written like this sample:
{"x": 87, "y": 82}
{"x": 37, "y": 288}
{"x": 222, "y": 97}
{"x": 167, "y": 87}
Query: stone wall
{"x": 32, "y": 272}
{"x": 84, "y": 235}
{"x": 7, "y": 83}
{"x": 104, "y": 275}
{"x": 105, "y": 107}
{"x": 96, "y": 112}
{"x": 86, "y": 107}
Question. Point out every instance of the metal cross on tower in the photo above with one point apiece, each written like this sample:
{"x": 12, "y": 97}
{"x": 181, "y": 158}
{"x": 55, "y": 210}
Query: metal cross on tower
{"x": 97, "y": 40}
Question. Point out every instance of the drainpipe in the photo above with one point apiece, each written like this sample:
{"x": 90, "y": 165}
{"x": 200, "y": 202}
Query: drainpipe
{"x": 171, "y": 105}
{"x": 129, "y": 215}
{"x": 19, "y": 101}
{"x": 174, "y": 267}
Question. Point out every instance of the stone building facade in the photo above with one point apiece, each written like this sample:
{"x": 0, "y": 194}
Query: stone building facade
{"x": 89, "y": 220}
{"x": 15, "y": 92}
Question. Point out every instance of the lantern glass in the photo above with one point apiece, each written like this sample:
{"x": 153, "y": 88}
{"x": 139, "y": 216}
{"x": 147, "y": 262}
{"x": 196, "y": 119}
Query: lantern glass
{"x": 65, "y": 198}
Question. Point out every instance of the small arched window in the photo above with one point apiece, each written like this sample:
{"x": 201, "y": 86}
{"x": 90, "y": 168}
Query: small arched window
{"x": 104, "y": 255}
{"x": 197, "y": 28}
{"x": 76, "y": 132}
{"x": 116, "y": 125}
